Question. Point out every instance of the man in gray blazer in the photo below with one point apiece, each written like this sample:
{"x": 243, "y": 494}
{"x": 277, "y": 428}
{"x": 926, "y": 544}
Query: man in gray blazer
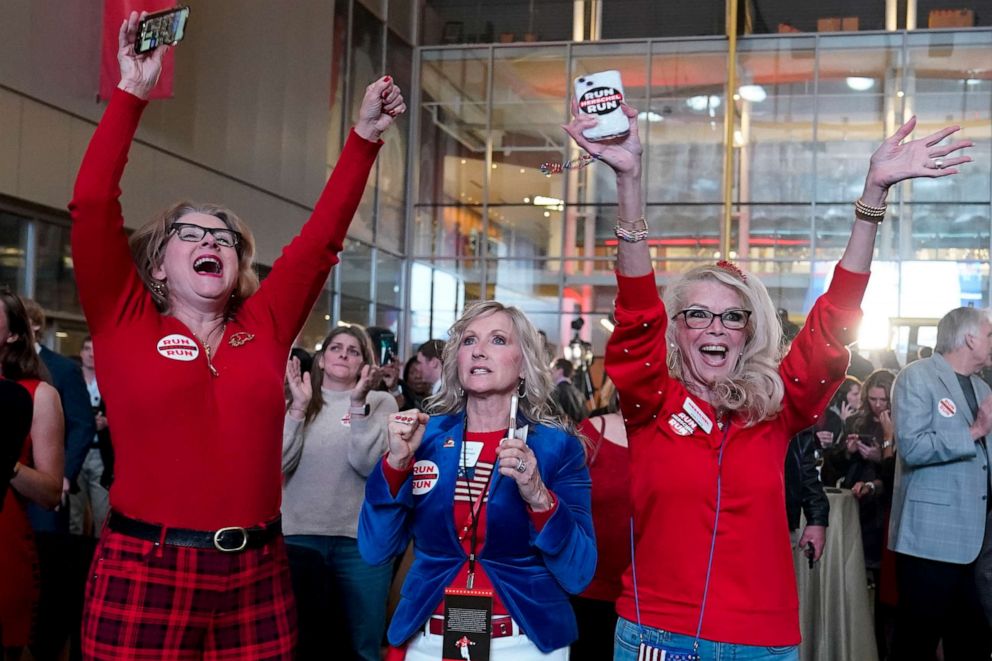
{"x": 942, "y": 413}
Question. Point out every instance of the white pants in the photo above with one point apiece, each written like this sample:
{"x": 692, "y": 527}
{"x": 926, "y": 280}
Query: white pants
{"x": 518, "y": 647}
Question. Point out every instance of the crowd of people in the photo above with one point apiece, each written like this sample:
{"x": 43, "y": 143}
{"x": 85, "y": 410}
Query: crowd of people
{"x": 468, "y": 502}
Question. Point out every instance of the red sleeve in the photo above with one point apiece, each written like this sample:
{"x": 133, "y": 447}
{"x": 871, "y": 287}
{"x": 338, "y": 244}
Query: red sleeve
{"x": 298, "y": 275}
{"x": 540, "y": 518}
{"x": 109, "y": 286}
{"x": 818, "y": 359}
{"x": 394, "y": 478}
{"x": 636, "y": 353}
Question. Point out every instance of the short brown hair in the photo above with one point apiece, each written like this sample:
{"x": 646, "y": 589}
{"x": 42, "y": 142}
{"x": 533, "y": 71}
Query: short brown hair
{"x": 432, "y": 349}
{"x": 36, "y": 314}
{"x": 148, "y": 250}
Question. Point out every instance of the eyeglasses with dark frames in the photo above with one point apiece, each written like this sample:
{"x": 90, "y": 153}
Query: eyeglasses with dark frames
{"x": 224, "y": 236}
{"x": 698, "y": 318}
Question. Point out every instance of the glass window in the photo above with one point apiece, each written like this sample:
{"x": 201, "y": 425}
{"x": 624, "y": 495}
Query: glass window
{"x": 55, "y": 277}
{"x": 392, "y": 161}
{"x": 478, "y": 21}
{"x": 627, "y": 19}
{"x": 13, "y": 250}
{"x": 389, "y": 280}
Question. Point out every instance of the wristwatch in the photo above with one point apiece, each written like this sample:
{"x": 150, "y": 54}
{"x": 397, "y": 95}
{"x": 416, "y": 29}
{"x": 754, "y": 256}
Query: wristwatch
{"x": 360, "y": 410}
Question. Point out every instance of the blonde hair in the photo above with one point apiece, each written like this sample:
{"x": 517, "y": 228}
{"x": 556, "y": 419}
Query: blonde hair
{"x": 148, "y": 251}
{"x": 535, "y": 402}
{"x": 754, "y": 388}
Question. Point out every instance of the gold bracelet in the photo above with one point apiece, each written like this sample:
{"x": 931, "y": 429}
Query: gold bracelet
{"x": 869, "y": 213}
{"x": 631, "y": 236}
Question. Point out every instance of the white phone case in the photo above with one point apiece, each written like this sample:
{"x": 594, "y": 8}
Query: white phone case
{"x": 600, "y": 95}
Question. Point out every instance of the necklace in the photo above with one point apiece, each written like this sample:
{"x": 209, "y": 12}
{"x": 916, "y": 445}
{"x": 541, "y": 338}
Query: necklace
{"x": 206, "y": 348}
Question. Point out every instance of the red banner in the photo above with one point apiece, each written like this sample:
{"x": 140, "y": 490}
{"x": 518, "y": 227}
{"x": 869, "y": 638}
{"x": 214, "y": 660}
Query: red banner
{"x": 114, "y": 13}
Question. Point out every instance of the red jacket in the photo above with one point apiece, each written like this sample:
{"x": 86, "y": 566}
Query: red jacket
{"x": 752, "y": 595}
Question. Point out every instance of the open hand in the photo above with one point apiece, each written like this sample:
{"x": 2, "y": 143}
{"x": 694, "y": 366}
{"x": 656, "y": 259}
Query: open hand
{"x": 382, "y": 104}
{"x": 367, "y": 380}
{"x": 299, "y": 384}
{"x": 895, "y": 161}
{"x": 139, "y": 73}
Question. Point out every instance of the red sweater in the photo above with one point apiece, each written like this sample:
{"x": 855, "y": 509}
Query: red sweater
{"x": 195, "y": 450}
{"x": 752, "y": 597}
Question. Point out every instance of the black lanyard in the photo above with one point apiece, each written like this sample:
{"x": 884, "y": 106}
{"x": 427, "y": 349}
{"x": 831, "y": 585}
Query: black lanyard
{"x": 471, "y": 527}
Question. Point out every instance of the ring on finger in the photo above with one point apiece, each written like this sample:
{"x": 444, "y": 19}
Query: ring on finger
{"x": 938, "y": 163}
{"x": 521, "y": 466}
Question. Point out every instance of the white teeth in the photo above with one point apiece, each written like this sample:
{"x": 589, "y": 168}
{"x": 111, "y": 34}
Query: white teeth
{"x": 480, "y": 370}
{"x": 207, "y": 263}
{"x": 713, "y": 347}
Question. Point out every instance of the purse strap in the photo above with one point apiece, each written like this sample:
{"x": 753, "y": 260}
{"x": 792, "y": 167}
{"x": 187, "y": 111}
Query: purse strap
{"x": 709, "y": 564}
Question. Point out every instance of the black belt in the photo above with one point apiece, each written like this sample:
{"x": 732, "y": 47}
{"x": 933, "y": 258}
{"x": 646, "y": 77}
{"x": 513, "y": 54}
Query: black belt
{"x": 229, "y": 540}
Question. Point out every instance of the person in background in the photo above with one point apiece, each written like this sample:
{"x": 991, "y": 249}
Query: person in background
{"x": 35, "y": 477}
{"x": 942, "y": 412}
{"x": 53, "y": 527}
{"x": 94, "y": 480}
{"x": 710, "y": 404}
{"x": 334, "y": 434}
{"x": 608, "y": 461}
{"x": 566, "y": 396}
{"x": 497, "y": 506}
{"x": 430, "y": 356}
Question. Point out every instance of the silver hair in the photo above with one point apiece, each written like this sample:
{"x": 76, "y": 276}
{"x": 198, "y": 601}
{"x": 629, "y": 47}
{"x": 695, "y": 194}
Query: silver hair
{"x": 954, "y": 328}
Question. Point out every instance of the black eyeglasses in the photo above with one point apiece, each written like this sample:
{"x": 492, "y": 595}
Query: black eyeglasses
{"x": 189, "y": 232}
{"x": 697, "y": 318}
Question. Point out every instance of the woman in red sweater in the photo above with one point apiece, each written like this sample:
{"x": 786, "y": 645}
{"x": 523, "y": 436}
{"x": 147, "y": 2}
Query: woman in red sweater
{"x": 710, "y": 405}
{"x": 193, "y": 353}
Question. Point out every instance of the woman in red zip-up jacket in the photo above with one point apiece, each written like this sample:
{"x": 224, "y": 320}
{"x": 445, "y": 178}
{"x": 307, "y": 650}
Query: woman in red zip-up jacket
{"x": 710, "y": 405}
{"x": 193, "y": 353}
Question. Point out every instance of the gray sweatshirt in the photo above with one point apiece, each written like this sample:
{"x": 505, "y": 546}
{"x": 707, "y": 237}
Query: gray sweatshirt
{"x": 325, "y": 464}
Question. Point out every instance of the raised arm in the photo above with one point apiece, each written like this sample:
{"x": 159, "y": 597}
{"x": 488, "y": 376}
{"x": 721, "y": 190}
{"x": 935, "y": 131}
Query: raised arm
{"x": 105, "y": 272}
{"x": 623, "y": 155}
{"x": 297, "y": 277}
{"x": 892, "y": 162}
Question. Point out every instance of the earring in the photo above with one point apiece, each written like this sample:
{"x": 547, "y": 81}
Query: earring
{"x": 159, "y": 288}
{"x": 522, "y": 388}
{"x": 460, "y": 391}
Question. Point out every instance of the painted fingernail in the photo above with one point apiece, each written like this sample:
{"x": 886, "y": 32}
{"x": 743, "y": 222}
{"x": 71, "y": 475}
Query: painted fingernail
{"x": 388, "y": 79}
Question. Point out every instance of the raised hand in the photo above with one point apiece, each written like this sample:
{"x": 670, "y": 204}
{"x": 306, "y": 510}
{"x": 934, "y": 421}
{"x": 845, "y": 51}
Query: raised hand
{"x": 623, "y": 154}
{"x": 896, "y": 161}
{"x": 299, "y": 384}
{"x": 405, "y": 433}
{"x": 139, "y": 73}
{"x": 368, "y": 380}
{"x": 846, "y": 411}
{"x": 382, "y": 104}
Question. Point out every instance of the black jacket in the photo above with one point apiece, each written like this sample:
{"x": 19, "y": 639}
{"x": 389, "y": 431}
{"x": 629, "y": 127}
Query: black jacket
{"x": 803, "y": 489}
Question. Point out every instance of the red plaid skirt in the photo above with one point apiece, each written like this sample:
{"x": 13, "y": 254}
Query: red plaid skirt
{"x": 148, "y": 602}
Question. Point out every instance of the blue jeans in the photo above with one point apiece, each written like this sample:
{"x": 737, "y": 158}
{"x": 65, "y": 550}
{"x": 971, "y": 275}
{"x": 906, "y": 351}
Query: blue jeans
{"x": 628, "y": 641}
{"x": 339, "y": 597}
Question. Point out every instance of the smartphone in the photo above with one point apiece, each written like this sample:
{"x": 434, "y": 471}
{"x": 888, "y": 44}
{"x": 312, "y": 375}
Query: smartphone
{"x": 600, "y": 95}
{"x": 162, "y": 28}
{"x": 387, "y": 348}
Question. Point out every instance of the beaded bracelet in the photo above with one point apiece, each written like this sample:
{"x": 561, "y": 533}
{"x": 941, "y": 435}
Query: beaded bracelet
{"x": 869, "y": 213}
{"x": 631, "y": 235}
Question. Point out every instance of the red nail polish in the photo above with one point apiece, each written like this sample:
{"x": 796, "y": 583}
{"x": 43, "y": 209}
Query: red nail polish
{"x": 388, "y": 79}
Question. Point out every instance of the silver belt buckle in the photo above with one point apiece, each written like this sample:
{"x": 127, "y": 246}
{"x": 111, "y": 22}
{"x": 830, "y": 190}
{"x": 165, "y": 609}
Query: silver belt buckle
{"x": 225, "y": 549}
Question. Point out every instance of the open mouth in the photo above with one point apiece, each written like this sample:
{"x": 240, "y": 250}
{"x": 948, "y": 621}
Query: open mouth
{"x": 480, "y": 370}
{"x": 714, "y": 353}
{"x": 208, "y": 265}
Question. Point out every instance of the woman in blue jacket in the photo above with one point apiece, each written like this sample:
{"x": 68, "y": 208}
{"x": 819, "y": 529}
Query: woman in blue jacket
{"x": 498, "y": 507}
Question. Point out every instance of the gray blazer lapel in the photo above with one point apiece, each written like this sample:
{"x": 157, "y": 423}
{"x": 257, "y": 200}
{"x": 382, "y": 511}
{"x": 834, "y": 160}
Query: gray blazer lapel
{"x": 946, "y": 375}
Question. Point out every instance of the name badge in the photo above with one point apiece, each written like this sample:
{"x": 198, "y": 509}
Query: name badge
{"x": 698, "y": 415}
{"x": 470, "y": 454}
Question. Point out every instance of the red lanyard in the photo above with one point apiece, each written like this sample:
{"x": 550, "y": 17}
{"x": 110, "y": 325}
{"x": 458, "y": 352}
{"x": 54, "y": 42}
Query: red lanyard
{"x": 472, "y": 522}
